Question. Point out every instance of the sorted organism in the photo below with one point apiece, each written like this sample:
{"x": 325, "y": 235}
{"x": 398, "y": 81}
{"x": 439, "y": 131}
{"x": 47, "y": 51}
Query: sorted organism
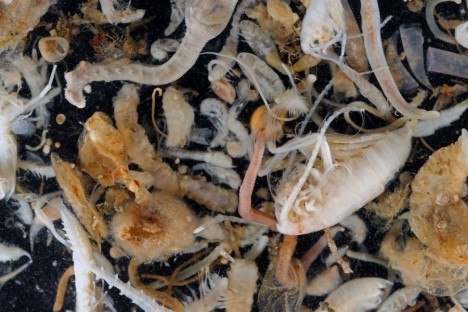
{"x": 103, "y": 156}
{"x": 262, "y": 44}
{"x": 83, "y": 253}
{"x": 160, "y": 48}
{"x": 220, "y": 175}
{"x": 34, "y": 72}
{"x": 388, "y": 205}
{"x": 325, "y": 282}
{"x": 53, "y": 49}
{"x": 242, "y": 285}
{"x": 430, "y": 6}
{"x": 219, "y": 159}
{"x": 343, "y": 86}
{"x": 400, "y": 299}
{"x": 422, "y": 267}
{"x": 357, "y": 227}
{"x": 211, "y": 294}
{"x": 89, "y": 267}
{"x": 224, "y": 89}
{"x": 403, "y": 79}
{"x": 217, "y": 113}
{"x": 160, "y": 296}
{"x": 9, "y": 253}
{"x": 14, "y": 113}
{"x": 143, "y": 154}
{"x": 70, "y": 180}
{"x": 124, "y": 16}
{"x": 361, "y": 294}
{"x": 283, "y": 286}
{"x": 204, "y": 20}
{"x": 155, "y": 229}
{"x": 323, "y": 25}
{"x": 308, "y": 192}
{"x": 137, "y": 145}
{"x": 412, "y": 40}
{"x": 262, "y": 76}
{"x": 280, "y": 23}
{"x": 437, "y": 207}
{"x": 370, "y": 15}
{"x": 446, "y": 62}
{"x": 179, "y": 117}
{"x": 212, "y": 196}
{"x": 219, "y": 67}
{"x": 355, "y": 43}
{"x": 177, "y": 16}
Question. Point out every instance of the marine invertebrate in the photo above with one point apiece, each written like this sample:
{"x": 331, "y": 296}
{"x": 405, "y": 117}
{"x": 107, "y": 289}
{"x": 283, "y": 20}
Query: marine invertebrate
{"x": 204, "y": 20}
{"x": 438, "y": 211}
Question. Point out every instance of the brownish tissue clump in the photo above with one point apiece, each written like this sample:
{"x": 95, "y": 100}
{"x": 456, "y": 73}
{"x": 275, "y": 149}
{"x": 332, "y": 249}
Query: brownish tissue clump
{"x": 18, "y": 18}
{"x": 156, "y": 229}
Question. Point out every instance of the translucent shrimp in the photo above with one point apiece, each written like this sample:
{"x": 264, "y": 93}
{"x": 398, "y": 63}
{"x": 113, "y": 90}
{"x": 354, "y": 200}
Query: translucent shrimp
{"x": 204, "y": 20}
{"x": 308, "y": 193}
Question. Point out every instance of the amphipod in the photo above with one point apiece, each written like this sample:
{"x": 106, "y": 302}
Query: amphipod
{"x": 361, "y": 168}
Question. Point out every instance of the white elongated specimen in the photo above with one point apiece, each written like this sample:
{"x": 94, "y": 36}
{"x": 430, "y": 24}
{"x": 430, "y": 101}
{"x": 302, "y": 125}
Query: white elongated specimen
{"x": 353, "y": 171}
{"x": 373, "y": 43}
{"x": 358, "y": 295}
{"x": 205, "y": 19}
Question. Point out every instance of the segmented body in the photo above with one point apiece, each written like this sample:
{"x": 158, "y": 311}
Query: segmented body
{"x": 359, "y": 176}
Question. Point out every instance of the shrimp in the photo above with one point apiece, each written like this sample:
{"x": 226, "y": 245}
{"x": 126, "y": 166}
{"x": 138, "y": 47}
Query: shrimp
{"x": 204, "y": 19}
{"x": 375, "y": 54}
{"x": 438, "y": 212}
{"x": 306, "y": 195}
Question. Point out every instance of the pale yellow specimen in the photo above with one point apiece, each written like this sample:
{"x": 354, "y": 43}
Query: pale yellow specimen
{"x": 438, "y": 214}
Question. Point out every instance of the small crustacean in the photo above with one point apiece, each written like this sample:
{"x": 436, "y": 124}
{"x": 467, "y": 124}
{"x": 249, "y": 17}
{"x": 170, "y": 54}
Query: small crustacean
{"x": 179, "y": 117}
{"x": 204, "y": 20}
{"x": 359, "y": 295}
{"x": 438, "y": 214}
{"x": 308, "y": 193}
{"x": 323, "y": 25}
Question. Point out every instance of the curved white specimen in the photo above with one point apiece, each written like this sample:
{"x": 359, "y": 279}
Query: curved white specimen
{"x": 349, "y": 185}
{"x": 370, "y": 15}
{"x": 261, "y": 75}
{"x": 177, "y": 16}
{"x": 204, "y": 20}
{"x": 401, "y": 298}
{"x": 13, "y": 110}
{"x": 357, "y": 295}
{"x": 161, "y": 47}
{"x": 179, "y": 117}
